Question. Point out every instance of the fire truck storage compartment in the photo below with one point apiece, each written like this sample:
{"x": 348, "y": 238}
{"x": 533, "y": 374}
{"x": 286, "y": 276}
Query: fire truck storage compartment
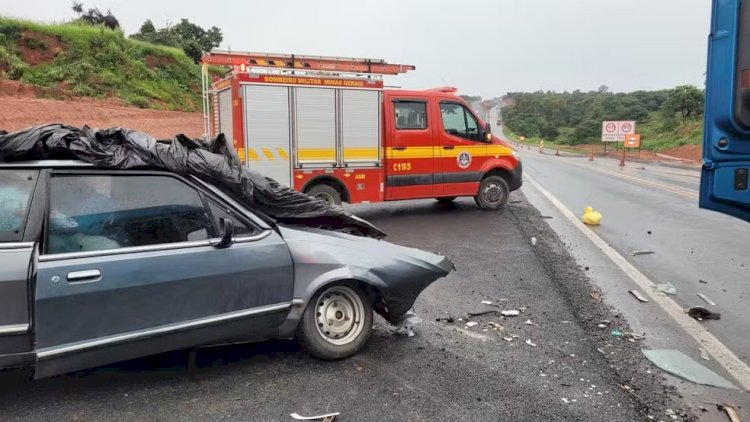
{"x": 315, "y": 126}
{"x": 267, "y": 131}
{"x": 225, "y": 114}
{"x": 360, "y": 126}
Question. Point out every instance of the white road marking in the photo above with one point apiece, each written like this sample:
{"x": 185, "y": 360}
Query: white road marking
{"x": 721, "y": 353}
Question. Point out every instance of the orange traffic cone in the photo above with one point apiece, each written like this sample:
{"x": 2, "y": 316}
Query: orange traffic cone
{"x": 622, "y": 161}
{"x": 557, "y": 151}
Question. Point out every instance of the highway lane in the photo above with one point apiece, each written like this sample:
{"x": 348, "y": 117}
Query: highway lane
{"x": 653, "y": 207}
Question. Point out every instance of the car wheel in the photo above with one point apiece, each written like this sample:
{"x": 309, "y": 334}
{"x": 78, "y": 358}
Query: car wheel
{"x": 325, "y": 193}
{"x": 493, "y": 193}
{"x": 446, "y": 199}
{"x": 336, "y": 323}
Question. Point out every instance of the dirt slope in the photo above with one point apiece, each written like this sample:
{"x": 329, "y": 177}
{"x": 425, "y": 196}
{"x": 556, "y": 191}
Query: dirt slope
{"x": 18, "y": 110}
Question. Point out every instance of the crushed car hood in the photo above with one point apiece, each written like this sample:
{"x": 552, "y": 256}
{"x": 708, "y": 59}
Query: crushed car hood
{"x": 398, "y": 274}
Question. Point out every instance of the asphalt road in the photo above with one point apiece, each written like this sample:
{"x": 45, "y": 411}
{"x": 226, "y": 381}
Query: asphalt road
{"x": 447, "y": 371}
{"x": 654, "y": 207}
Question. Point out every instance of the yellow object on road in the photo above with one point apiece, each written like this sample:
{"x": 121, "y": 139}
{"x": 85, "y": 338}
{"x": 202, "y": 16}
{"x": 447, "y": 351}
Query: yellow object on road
{"x": 591, "y": 217}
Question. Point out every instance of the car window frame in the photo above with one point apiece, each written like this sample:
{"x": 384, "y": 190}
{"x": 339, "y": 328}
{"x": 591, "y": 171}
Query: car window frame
{"x": 424, "y": 101}
{"x": 466, "y": 122}
{"x": 210, "y": 241}
{"x": 20, "y": 236}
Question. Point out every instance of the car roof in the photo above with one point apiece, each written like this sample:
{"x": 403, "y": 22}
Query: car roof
{"x": 46, "y": 164}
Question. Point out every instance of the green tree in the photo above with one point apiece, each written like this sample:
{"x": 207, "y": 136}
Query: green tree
{"x": 191, "y": 38}
{"x": 685, "y": 100}
{"x": 95, "y": 17}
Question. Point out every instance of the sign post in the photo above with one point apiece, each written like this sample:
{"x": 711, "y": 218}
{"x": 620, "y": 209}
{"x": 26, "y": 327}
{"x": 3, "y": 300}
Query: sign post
{"x": 615, "y": 130}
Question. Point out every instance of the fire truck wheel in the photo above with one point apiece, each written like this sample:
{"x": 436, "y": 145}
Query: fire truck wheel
{"x": 493, "y": 193}
{"x": 336, "y": 323}
{"x": 325, "y": 193}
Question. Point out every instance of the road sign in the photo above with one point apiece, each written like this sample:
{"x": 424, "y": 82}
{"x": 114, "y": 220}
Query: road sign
{"x": 615, "y": 131}
{"x": 632, "y": 140}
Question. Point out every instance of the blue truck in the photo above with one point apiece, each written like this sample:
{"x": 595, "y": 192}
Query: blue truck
{"x": 726, "y": 136}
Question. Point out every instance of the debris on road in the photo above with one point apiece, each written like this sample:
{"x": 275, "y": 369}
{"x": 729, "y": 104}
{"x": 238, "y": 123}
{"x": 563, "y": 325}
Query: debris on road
{"x": 565, "y": 400}
{"x": 449, "y": 319}
{"x": 667, "y": 288}
{"x": 508, "y": 338}
{"x": 704, "y": 354}
{"x": 495, "y": 326}
{"x": 700, "y": 313}
{"x": 529, "y": 322}
{"x": 703, "y": 281}
{"x": 471, "y": 324}
{"x": 510, "y": 312}
{"x": 530, "y": 343}
{"x": 595, "y": 295}
{"x": 633, "y": 336}
{"x": 706, "y": 299}
{"x": 533, "y": 241}
{"x": 616, "y": 333}
{"x": 591, "y": 217}
{"x": 638, "y": 295}
{"x": 677, "y": 363}
{"x": 641, "y": 252}
{"x": 486, "y": 302}
{"x": 547, "y": 216}
{"x": 406, "y": 326}
{"x": 730, "y": 411}
{"x": 325, "y": 418}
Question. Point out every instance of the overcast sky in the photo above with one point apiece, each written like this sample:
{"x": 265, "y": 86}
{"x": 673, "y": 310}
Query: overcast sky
{"x": 484, "y": 47}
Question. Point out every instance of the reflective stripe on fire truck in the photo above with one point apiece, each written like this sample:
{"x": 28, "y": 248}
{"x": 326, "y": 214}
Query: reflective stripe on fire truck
{"x": 430, "y": 152}
{"x": 255, "y": 154}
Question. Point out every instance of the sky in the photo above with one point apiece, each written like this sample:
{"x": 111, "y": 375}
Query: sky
{"x": 482, "y": 47}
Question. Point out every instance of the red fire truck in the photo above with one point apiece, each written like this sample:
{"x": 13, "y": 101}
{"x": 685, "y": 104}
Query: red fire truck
{"x": 327, "y": 127}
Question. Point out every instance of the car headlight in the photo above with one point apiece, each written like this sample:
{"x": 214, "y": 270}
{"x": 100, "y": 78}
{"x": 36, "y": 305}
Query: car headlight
{"x": 516, "y": 154}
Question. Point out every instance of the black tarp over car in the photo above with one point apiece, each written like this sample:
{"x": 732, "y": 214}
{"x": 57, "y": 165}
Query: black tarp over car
{"x": 214, "y": 162}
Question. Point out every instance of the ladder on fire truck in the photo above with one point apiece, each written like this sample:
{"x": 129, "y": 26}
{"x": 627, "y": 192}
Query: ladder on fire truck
{"x": 292, "y": 64}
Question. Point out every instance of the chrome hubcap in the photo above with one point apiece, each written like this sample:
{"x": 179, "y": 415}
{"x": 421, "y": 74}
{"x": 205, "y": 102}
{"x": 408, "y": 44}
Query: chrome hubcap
{"x": 338, "y": 315}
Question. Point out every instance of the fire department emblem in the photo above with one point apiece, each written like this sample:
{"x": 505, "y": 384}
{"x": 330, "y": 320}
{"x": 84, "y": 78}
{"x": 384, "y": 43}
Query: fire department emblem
{"x": 464, "y": 160}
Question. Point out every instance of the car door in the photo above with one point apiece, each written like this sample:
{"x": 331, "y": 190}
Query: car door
{"x": 462, "y": 150}
{"x": 131, "y": 267}
{"x": 726, "y": 143}
{"x": 17, "y": 252}
{"x": 410, "y": 163}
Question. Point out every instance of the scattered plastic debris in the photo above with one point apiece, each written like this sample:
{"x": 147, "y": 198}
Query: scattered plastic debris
{"x": 638, "y": 295}
{"x": 547, "y": 216}
{"x": 591, "y": 217}
{"x": 406, "y": 326}
{"x": 703, "y": 281}
{"x": 616, "y": 333}
{"x": 508, "y": 338}
{"x": 565, "y": 400}
{"x": 326, "y": 418}
{"x": 530, "y": 343}
{"x": 533, "y": 241}
{"x": 471, "y": 324}
{"x": 634, "y": 336}
{"x": 681, "y": 365}
{"x": 510, "y": 312}
{"x": 704, "y": 354}
{"x": 706, "y": 299}
{"x": 667, "y": 288}
{"x": 602, "y": 326}
{"x": 495, "y": 326}
{"x": 641, "y": 252}
{"x": 530, "y": 322}
{"x": 595, "y": 295}
{"x": 486, "y": 302}
{"x": 700, "y": 313}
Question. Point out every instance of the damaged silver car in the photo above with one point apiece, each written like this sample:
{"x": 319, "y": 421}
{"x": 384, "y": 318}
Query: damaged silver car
{"x": 102, "y": 265}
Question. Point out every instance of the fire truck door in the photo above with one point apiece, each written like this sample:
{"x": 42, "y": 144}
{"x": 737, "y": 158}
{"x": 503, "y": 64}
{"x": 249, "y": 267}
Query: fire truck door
{"x": 267, "y": 131}
{"x": 409, "y": 166}
{"x": 462, "y": 152}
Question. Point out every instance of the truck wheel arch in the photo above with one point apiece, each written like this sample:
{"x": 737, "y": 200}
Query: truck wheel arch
{"x": 499, "y": 171}
{"x": 330, "y": 181}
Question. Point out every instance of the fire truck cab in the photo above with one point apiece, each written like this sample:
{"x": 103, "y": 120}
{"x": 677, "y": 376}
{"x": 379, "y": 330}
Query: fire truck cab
{"x": 327, "y": 127}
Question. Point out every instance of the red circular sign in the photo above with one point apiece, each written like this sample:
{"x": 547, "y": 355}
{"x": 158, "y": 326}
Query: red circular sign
{"x": 610, "y": 127}
{"x": 626, "y": 127}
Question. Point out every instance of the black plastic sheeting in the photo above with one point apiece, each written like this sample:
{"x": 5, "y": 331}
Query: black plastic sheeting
{"x": 214, "y": 162}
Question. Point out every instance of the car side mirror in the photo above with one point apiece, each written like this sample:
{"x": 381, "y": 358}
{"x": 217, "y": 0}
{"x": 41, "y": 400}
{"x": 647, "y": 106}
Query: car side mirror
{"x": 487, "y": 132}
{"x": 226, "y": 230}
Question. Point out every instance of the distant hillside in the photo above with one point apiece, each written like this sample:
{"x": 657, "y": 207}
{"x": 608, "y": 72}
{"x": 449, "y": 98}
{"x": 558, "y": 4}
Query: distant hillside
{"x": 70, "y": 60}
